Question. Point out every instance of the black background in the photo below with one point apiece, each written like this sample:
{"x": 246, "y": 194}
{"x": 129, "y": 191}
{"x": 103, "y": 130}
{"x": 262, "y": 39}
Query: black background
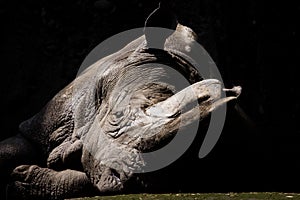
{"x": 254, "y": 43}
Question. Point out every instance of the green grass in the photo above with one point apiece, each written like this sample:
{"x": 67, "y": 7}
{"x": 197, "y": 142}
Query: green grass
{"x": 203, "y": 196}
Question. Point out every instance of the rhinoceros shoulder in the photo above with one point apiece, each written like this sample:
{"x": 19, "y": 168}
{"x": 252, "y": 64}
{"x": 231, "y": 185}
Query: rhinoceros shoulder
{"x": 53, "y": 123}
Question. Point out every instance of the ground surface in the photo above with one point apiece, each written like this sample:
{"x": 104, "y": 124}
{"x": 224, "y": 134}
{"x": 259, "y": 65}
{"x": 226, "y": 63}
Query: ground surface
{"x": 206, "y": 196}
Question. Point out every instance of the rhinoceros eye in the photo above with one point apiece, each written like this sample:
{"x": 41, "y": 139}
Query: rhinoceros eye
{"x": 119, "y": 114}
{"x": 116, "y": 117}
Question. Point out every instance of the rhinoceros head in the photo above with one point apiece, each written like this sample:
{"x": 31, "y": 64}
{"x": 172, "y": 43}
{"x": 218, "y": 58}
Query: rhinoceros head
{"x": 136, "y": 110}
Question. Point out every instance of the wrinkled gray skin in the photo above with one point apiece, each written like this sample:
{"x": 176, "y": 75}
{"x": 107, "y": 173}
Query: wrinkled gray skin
{"x": 89, "y": 137}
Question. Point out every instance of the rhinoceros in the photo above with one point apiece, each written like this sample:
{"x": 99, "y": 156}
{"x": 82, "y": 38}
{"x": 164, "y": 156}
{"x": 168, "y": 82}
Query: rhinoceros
{"x": 89, "y": 137}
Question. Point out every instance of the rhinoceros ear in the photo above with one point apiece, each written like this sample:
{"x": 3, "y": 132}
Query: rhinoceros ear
{"x": 161, "y": 17}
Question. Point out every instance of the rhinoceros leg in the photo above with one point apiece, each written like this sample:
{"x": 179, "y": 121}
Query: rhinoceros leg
{"x": 66, "y": 155}
{"x": 14, "y": 151}
{"x": 34, "y": 182}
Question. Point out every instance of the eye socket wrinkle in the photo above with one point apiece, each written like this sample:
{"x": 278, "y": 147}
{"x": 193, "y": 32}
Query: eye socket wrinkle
{"x": 119, "y": 114}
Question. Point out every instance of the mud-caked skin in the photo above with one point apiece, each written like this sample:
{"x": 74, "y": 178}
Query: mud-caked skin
{"x": 87, "y": 140}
